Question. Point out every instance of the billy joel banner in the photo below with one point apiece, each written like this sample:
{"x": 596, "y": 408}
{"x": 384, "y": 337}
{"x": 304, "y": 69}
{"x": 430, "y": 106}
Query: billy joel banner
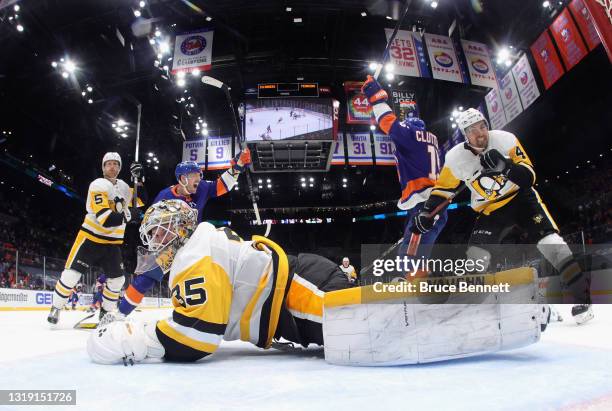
{"x": 497, "y": 116}
{"x": 585, "y": 23}
{"x": 384, "y": 150}
{"x": 358, "y": 110}
{"x": 571, "y": 47}
{"x": 338, "y": 158}
{"x": 195, "y": 150}
{"x": 443, "y": 58}
{"x": 403, "y": 103}
{"x": 510, "y": 97}
{"x": 193, "y": 51}
{"x": 359, "y": 149}
{"x": 525, "y": 82}
{"x": 601, "y": 12}
{"x": 220, "y": 152}
{"x": 407, "y": 54}
{"x": 547, "y": 60}
{"x": 479, "y": 64}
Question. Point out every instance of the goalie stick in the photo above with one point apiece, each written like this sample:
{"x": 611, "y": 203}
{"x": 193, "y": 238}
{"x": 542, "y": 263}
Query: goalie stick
{"x": 220, "y": 85}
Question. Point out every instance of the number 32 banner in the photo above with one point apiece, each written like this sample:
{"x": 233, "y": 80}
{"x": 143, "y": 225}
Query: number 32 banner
{"x": 359, "y": 149}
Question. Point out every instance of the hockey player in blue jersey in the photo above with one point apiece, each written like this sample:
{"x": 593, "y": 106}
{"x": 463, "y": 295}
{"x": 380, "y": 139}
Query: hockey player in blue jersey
{"x": 195, "y": 192}
{"x": 418, "y": 166}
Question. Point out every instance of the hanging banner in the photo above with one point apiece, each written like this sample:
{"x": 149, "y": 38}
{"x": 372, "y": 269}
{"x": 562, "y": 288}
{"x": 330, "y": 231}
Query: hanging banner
{"x": 525, "y": 82}
{"x": 195, "y": 150}
{"x": 585, "y": 23}
{"x": 403, "y": 104}
{"x": 547, "y": 60}
{"x": 497, "y": 117}
{"x": 443, "y": 58}
{"x": 479, "y": 64}
{"x": 359, "y": 149}
{"x": 601, "y": 12}
{"x": 571, "y": 47}
{"x": 358, "y": 110}
{"x": 193, "y": 51}
{"x": 407, "y": 54}
{"x": 510, "y": 97}
{"x": 384, "y": 150}
{"x": 338, "y": 158}
{"x": 220, "y": 152}
{"x": 465, "y": 76}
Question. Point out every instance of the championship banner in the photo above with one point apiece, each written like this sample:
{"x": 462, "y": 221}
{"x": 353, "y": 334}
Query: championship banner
{"x": 571, "y": 47}
{"x": 359, "y": 149}
{"x": 338, "y": 158}
{"x": 585, "y": 23}
{"x": 525, "y": 82}
{"x": 497, "y": 116}
{"x": 601, "y": 12}
{"x": 407, "y": 54}
{"x": 219, "y": 152}
{"x": 510, "y": 97}
{"x": 195, "y": 150}
{"x": 547, "y": 60}
{"x": 479, "y": 64}
{"x": 193, "y": 51}
{"x": 358, "y": 110}
{"x": 384, "y": 150}
{"x": 443, "y": 58}
{"x": 403, "y": 103}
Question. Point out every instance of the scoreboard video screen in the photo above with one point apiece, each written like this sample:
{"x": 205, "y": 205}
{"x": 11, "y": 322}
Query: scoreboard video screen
{"x": 276, "y": 90}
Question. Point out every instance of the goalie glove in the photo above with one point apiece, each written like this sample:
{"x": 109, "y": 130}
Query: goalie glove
{"x": 373, "y": 91}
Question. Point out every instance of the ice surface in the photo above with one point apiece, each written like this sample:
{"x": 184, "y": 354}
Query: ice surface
{"x": 571, "y": 368}
{"x": 285, "y": 128}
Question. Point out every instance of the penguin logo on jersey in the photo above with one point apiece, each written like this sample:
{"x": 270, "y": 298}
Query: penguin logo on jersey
{"x": 490, "y": 187}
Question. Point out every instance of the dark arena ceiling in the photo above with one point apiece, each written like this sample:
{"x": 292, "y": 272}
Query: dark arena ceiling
{"x": 53, "y": 125}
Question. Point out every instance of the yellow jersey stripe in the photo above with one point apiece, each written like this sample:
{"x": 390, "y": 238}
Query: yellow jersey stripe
{"x": 164, "y": 327}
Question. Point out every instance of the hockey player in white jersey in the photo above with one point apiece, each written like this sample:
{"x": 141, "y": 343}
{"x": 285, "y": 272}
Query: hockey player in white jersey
{"x": 500, "y": 176}
{"x": 100, "y": 237}
{"x": 223, "y": 288}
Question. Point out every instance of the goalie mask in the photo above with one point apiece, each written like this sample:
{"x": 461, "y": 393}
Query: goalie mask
{"x": 166, "y": 226}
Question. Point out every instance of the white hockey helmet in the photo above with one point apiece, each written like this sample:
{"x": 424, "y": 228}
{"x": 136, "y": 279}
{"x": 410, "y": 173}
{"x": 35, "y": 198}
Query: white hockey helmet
{"x": 468, "y": 117}
{"x": 111, "y": 155}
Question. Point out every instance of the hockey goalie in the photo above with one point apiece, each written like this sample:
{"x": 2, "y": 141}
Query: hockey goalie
{"x": 225, "y": 288}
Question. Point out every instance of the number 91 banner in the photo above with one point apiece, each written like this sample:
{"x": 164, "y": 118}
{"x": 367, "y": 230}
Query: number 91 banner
{"x": 358, "y": 110}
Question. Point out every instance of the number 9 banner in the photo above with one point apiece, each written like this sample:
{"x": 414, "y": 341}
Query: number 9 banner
{"x": 219, "y": 152}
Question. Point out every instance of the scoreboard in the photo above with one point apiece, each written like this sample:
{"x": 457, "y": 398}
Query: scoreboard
{"x": 276, "y": 90}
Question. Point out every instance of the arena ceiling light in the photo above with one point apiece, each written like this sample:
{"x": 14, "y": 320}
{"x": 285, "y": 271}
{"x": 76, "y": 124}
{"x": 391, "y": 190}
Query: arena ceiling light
{"x": 204, "y": 132}
{"x": 195, "y": 72}
{"x": 546, "y": 4}
{"x": 69, "y": 66}
{"x": 503, "y": 56}
{"x": 208, "y": 18}
{"x": 142, "y": 4}
{"x": 373, "y": 66}
{"x": 164, "y": 47}
{"x": 434, "y": 4}
{"x": 180, "y": 82}
{"x": 158, "y": 33}
{"x": 137, "y": 13}
{"x": 364, "y": 14}
{"x": 372, "y": 127}
{"x": 389, "y": 76}
{"x": 20, "y": 28}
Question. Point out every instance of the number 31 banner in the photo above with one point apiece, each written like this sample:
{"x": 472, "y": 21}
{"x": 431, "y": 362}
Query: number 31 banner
{"x": 358, "y": 110}
{"x": 359, "y": 149}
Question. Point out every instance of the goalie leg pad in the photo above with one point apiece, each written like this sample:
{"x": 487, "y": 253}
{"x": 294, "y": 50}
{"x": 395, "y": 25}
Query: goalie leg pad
{"x": 402, "y": 333}
{"x": 122, "y": 341}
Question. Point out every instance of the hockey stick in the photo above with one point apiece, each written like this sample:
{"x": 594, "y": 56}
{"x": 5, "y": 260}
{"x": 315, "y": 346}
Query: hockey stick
{"x": 82, "y": 325}
{"x": 220, "y": 85}
{"x": 395, "y": 30}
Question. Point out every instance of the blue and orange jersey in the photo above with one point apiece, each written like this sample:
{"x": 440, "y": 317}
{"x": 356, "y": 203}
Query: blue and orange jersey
{"x": 416, "y": 154}
{"x": 205, "y": 191}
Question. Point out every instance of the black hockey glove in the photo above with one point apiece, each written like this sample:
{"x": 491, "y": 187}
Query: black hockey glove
{"x": 136, "y": 171}
{"x": 422, "y": 223}
{"x": 493, "y": 161}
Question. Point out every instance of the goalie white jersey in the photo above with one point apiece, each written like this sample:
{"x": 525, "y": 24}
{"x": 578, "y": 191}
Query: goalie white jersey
{"x": 489, "y": 192}
{"x": 223, "y": 288}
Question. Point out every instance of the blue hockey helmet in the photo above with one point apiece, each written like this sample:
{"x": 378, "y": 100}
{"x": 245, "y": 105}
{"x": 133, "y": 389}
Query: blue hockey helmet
{"x": 415, "y": 123}
{"x": 186, "y": 167}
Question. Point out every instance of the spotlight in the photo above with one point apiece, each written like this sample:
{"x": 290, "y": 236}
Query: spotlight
{"x": 311, "y": 179}
{"x": 54, "y": 64}
{"x": 434, "y": 4}
{"x": 344, "y": 185}
{"x": 142, "y": 4}
{"x": 460, "y": 108}
{"x": 195, "y": 72}
{"x": 389, "y": 76}
{"x": 454, "y": 125}
{"x": 90, "y": 101}
{"x": 137, "y": 13}
{"x": 303, "y": 184}
{"x": 89, "y": 88}
{"x": 268, "y": 180}
{"x": 120, "y": 122}
{"x": 83, "y": 93}
{"x": 164, "y": 47}
{"x": 180, "y": 74}
{"x": 65, "y": 74}
{"x": 69, "y": 66}
{"x": 19, "y": 28}
{"x": 372, "y": 127}
{"x": 208, "y": 18}
{"x": 269, "y": 185}
{"x": 373, "y": 66}
{"x": 363, "y": 14}
{"x": 455, "y": 113}
{"x": 157, "y": 33}
{"x": 344, "y": 180}
{"x": 204, "y": 132}
{"x": 546, "y": 4}
{"x": 302, "y": 179}
{"x": 180, "y": 82}
{"x": 155, "y": 167}
{"x": 311, "y": 185}
{"x": 16, "y": 7}
{"x": 152, "y": 42}
{"x": 389, "y": 67}
{"x": 124, "y": 135}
